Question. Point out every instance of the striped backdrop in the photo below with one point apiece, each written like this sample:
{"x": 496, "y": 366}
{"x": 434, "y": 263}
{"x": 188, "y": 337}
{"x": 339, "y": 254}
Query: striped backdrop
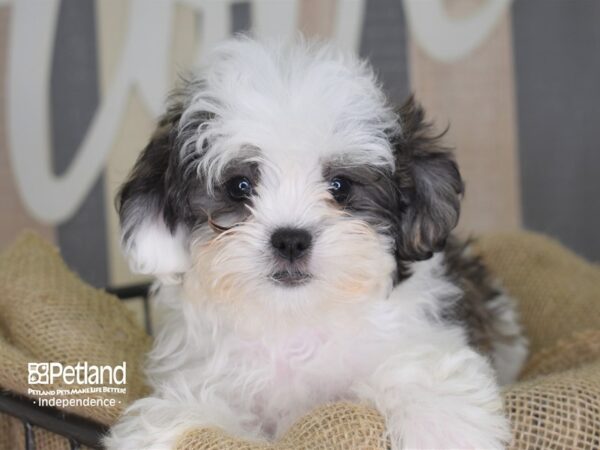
{"x": 82, "y": 81}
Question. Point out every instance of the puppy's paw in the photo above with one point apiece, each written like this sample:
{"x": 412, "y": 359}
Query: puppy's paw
{"x": 440, "y": 401}
{"x": 451, "y": 434}
{"x": 449, "y": 443}
{"x": 126, "y": 436}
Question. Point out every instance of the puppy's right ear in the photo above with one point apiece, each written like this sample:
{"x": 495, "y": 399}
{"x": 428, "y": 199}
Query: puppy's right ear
{"x": 154, "y": 232}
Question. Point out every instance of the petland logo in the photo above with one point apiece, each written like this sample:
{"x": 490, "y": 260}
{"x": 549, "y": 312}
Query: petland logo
{"x": 81, "y": 373}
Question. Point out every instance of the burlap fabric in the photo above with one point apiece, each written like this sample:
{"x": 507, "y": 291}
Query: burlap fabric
{"x": 556, "y": 405}
{"x": 558, "y": 292}
{"x": 48, "y": 314}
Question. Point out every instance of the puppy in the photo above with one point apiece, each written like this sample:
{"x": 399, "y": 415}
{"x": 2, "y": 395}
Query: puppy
{"x": 299, "y": 227}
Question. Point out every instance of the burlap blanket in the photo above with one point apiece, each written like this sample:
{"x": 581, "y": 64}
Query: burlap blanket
{"x": 48, "y": 314}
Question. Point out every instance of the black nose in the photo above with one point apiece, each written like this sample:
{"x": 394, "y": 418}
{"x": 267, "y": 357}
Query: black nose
{"x": 291, "y": 243}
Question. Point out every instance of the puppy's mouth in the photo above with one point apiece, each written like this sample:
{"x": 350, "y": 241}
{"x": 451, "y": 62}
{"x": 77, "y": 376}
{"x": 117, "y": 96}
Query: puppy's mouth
{"x": 291, "y": 278}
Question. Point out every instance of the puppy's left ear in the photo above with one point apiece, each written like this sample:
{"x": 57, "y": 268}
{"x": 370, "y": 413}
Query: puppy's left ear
{"x": 430, "y": 186}
{"x": 152, "y": 204}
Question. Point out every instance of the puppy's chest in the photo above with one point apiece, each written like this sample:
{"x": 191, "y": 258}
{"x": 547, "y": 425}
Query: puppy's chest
{"x": 295, "y": 354}
{"x": 310, "y": 361}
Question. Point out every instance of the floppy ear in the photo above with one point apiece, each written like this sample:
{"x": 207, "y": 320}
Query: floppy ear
{"x": 151, "y": 204}
{"x": 430, "y": 186}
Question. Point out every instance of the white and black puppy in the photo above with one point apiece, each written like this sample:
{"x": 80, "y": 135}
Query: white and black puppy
{"x": 299, "y": 227}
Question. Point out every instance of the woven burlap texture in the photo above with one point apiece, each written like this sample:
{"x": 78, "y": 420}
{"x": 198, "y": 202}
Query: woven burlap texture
{"x": 556, "y": 405}
{"x": 558, "y": 292}
{"x": 48, "y": 314}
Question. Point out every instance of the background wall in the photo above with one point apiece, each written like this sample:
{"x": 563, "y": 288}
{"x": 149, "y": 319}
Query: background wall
{"x": 82, "y": 81}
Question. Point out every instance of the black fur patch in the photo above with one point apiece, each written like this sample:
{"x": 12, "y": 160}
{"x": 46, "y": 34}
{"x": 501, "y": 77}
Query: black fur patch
{"x": 151, "y": 189}
{"x": 430, "y": 185}
{"x": 472, "y": 311}
{"x": 164, "y": 183}
{"x": 419, "y": 203}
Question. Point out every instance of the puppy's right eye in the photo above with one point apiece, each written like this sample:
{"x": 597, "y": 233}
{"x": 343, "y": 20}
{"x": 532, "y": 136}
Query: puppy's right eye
{"x": 238, "y": 188}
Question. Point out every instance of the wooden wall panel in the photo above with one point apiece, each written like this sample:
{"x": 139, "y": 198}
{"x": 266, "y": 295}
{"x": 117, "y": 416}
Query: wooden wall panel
{"x": 316, "y": 17}
{"x": 476, "y": 97}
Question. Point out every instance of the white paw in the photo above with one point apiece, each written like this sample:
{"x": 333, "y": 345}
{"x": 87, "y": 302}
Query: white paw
{"x": 451, "y": 434}
{"x": 436, "y": 442}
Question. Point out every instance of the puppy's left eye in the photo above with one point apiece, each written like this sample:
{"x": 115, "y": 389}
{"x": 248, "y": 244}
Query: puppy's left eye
{"x": 340, "y": 188}
{"x": 238, "y": 188}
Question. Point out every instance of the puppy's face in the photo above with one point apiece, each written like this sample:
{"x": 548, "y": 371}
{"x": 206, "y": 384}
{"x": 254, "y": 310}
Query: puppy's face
{"x": 281, "y": 176}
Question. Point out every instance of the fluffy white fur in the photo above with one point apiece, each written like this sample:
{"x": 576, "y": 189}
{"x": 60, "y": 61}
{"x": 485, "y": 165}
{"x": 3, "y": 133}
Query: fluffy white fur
{"x": 155, "y": 251}
{"x": 507, "y": 357}
{"x": 295, "y": 104}
{"x": 434, "y": 391}
{"x": 239, "y": 352}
